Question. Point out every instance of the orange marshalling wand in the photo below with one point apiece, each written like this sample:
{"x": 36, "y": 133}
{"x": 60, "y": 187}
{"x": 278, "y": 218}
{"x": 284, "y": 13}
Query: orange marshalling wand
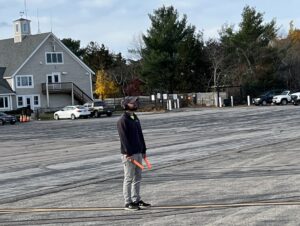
{"x": 147, "y": 163}
{"x": 137, "y": 164}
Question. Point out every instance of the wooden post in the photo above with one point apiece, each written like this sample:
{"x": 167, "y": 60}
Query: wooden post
{"x": 47, "y": 93}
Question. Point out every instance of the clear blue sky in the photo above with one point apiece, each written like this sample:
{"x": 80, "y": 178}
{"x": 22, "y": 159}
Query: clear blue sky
{"x": 117, "y": 23}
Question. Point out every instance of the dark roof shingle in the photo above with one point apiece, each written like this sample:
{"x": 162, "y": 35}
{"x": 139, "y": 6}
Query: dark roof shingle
{"x": 13, "y": 55}
{"x": 4, "y": 86}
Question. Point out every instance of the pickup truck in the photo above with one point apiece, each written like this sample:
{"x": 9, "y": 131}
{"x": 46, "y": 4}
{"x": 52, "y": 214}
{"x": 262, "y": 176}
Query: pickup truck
{"x": 284, "y": 98}
{"x": 98, "y": 108}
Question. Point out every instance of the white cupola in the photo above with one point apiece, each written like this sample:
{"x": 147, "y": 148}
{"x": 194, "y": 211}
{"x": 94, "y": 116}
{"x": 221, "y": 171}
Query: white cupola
{"x": 22, "y": 29}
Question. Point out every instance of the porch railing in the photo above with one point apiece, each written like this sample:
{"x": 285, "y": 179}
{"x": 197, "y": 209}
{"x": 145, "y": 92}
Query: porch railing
{"x": 68, "y": 88}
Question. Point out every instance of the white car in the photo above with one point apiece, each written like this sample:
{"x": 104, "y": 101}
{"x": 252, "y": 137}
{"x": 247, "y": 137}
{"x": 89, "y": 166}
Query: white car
{"x": 284, "y": 98}
{"x": 72, "y": 112}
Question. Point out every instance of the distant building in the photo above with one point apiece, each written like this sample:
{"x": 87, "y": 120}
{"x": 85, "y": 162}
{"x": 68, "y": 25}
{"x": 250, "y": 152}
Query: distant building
{"x": 40, "y": 71}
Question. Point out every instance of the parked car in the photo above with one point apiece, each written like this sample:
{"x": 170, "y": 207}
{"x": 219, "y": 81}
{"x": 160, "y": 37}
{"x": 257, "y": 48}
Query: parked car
{"x": 295, "y": 98}
{"x": 5, "y": 118}
{"x": 72, "y": 112}
{"x": 284, "y": 98}
{"x": 266, "y": 97}
{"x": 98, "y": 108}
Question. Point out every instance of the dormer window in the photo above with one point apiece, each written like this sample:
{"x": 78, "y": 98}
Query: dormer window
{"x": 17, "y": 27}
{"x": 54, "y": 58}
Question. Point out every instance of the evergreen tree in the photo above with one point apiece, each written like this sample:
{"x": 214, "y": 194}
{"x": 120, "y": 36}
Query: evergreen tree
{"x": 74, "y": 46}
{"x": 97, "y": 57}
{"x": 250, "y": 60}
{"x": 172, "y": 58}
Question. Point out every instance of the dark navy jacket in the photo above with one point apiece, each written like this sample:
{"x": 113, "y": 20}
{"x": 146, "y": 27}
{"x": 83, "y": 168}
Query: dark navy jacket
{"x": 131, "y": 135}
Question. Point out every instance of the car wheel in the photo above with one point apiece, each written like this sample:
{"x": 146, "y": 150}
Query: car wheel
{"x": 56, "y": 117}
{"x": 283, "y": 102}
{"x": 1, "y": 123}
{"x": 73, "y": 117}
{"x": 96, "y": 114}
{"x": 12, "y": 122}
{"x": 264, "y": 103}
{"x": 109, "y": 114}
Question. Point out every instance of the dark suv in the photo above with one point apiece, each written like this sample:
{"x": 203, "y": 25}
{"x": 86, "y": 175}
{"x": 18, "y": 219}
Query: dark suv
{"x": 266, "y": 97}
{"x": 5, "y": 118}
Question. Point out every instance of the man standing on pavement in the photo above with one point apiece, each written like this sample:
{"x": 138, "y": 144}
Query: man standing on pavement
{"x": 132, "y": 148}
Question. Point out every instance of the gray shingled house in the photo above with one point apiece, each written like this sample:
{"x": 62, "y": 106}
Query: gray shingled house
{"x": 40, "y": 71}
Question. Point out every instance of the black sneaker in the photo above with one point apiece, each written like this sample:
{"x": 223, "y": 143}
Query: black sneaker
{"x": 132, "y": 206}
{"x": 143, "y": 205}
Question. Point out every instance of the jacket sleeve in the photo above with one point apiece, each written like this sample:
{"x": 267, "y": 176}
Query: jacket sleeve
{"x": 124, "y": 139}
{"x": 142, "y": 139}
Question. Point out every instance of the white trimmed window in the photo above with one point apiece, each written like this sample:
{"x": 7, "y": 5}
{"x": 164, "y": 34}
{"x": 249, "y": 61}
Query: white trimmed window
{"x": 31, "y": 100}
{"x": 4, "y": 104}
{"x": 24, "y": 81}
{"x": 36, "y": 100}
{"x": 54, "y": 78}
{"x": 20, "y": 101}
{"x": 54, "y": 58}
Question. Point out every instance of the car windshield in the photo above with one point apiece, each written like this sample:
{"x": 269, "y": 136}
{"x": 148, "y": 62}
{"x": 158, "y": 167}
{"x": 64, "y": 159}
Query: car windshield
{"x": 285, "y": 93}
{"x": 3, "y": 114}
{"x": 80, "y": 107}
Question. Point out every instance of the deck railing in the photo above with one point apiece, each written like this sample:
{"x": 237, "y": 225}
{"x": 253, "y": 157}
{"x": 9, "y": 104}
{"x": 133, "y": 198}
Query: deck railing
{"x": 66, "y": 87}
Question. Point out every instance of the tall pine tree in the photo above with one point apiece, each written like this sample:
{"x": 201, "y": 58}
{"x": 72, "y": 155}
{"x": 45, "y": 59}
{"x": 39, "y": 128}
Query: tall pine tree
{"x": 172, "y": 59}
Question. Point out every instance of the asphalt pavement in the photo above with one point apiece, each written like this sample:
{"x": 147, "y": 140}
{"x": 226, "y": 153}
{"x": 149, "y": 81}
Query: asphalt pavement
{"x": 225, "y": 166}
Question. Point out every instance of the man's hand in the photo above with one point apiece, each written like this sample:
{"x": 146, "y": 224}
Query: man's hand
{"x": 129, "y": 157}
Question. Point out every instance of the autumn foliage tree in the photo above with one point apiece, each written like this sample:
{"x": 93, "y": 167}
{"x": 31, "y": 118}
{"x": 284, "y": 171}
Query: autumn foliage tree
{"x": 105, "y": 86}
{"x": 294, "y": 34}
{"x": 134, "y": 87}
{"x": 289, "y": 51}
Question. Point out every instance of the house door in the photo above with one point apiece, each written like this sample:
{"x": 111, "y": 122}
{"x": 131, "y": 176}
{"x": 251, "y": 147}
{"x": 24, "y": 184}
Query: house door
{"x": 29, "y": 102}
